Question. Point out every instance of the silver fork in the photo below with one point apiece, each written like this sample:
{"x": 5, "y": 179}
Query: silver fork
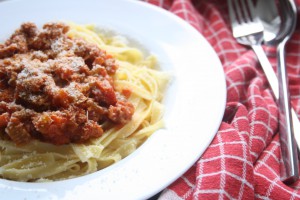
{"x": 248, "y": 30}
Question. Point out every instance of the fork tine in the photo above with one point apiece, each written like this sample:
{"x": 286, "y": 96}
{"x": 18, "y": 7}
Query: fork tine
{"x": 251, "y": 10}
{"x": 238, "y": 11}
{"x": 247, "y": 15}
{"x": 232, "y": 13}
{"x": 241, "y": 22}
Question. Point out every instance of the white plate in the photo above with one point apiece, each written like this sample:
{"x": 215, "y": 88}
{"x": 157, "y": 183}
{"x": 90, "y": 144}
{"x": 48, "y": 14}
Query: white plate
{"x": 195, "y": 100}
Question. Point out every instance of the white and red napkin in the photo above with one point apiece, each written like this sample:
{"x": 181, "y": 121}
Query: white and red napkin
{"x": 243, "y": 160}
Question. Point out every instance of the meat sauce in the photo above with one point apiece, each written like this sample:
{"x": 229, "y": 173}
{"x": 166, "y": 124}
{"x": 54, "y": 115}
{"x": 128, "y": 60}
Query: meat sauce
{"x": 56, "y": 89}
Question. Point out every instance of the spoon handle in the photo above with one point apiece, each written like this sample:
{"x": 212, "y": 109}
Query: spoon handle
{"x": 288, "y": 150}
{"x": 289, "y": 122}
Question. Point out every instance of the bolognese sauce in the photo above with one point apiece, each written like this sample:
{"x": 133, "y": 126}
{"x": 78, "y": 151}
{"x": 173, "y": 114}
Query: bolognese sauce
{"x": 56, "y": 89}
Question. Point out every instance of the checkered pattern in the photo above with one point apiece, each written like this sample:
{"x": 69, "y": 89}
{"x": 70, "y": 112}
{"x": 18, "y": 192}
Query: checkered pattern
{"x": 243, "y": 160}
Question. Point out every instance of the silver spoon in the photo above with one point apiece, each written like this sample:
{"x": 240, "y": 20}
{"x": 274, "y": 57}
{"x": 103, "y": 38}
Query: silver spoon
{"x": 278, "y": 30}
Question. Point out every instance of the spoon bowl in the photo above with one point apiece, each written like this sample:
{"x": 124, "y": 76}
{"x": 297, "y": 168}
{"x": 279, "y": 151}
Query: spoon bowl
{"x": 270, "y": 20}
{"x": 279, "y": 21}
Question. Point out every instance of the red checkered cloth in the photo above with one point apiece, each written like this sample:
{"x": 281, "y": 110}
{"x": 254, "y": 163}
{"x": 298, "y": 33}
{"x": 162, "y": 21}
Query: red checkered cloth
{"x": 243, "y": 160}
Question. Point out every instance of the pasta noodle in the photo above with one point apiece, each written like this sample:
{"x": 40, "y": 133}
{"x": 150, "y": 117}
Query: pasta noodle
{"x": 39, "y": 161}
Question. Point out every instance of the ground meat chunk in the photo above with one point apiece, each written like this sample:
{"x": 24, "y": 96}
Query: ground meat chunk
{"x": 4, "y": 119}
{"x": 7, "y": 51}
{"x": 19, "y": 126}
{"x": 56, "y": 89}
{"x": 64, "y": 127}
{"x": 103, "y": 92}
{"x": 7, "y": 95}
{"x": 29, "y": 89}
{"x": 121, "y": 112}
{"x": 95, "y": 56}
{"x": 29, "y": 29}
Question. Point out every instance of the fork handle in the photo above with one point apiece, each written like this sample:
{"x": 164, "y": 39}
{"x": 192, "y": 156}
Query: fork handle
{"x": 267, "y": 68}
{"x": 288, "y": 120}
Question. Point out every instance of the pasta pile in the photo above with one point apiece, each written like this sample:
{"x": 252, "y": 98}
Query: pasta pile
{"x": 39, "y": 161}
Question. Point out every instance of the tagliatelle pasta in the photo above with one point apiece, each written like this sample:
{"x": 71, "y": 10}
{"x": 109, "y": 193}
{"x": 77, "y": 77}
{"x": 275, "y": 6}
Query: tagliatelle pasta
{"x": 41, "y": 161}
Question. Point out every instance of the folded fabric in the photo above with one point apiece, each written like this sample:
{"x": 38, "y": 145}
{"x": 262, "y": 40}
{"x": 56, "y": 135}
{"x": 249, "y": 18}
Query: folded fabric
{"x": 243, "y": 160}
